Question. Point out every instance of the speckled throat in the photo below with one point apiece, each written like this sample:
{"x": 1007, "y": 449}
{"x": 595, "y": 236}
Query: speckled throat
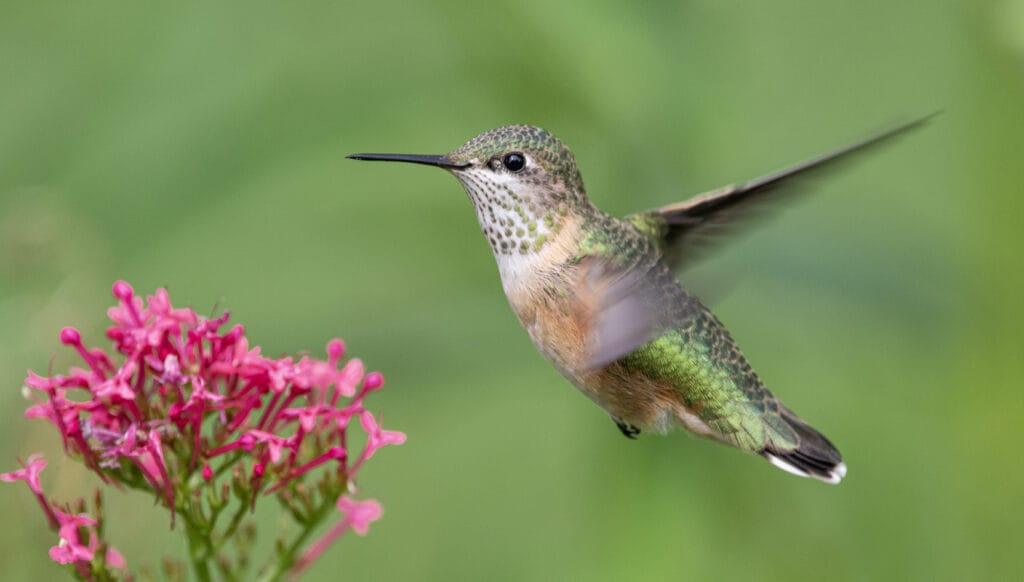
{"x": 514, "y": 223}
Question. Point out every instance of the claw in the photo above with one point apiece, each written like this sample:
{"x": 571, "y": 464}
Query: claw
{"x": 628, "y": 430}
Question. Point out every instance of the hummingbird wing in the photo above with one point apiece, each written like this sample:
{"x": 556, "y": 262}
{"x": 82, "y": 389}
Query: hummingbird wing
{"x": 623, "y": 292}
{"x": 687, "y": 228}
{"x": 627, "y": 304}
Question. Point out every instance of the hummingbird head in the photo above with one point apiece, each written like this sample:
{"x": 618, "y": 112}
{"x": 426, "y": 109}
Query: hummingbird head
{"x": 522, "y": 180}
{"x": 522, "y": 157}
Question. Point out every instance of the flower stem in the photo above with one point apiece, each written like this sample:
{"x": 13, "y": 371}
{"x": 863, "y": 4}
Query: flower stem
{"x": 229, "y": 533}
{"x": 286, "y": 559}
{"x": 199, "y": 549}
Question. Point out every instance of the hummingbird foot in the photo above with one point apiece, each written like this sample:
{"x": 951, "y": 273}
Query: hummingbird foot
{"x": 627, "y": 429}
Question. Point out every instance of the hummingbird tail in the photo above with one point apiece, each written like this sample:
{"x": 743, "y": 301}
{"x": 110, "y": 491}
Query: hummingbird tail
{"x": 814, "y": 456}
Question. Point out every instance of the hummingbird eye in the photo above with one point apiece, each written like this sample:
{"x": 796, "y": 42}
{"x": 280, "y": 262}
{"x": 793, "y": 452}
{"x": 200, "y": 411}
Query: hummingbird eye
{"x": 514, "y": 161}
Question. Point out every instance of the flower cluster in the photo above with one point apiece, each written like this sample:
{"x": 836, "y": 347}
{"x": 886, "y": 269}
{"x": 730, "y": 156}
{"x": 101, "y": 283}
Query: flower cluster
{"x": 188, "y": 408}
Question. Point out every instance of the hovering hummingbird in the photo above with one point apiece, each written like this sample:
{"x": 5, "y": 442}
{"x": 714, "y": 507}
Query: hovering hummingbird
{"x": 599, "y": 298}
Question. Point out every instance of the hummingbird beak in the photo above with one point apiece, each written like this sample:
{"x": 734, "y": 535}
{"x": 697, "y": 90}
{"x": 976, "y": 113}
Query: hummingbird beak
{"x": 439, "y": 161}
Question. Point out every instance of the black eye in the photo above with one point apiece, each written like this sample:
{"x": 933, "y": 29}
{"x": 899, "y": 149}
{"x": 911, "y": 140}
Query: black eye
{"x": 514, "y": 161}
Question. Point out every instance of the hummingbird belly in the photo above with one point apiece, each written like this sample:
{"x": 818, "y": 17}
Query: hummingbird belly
{"x": 626, "y": 393}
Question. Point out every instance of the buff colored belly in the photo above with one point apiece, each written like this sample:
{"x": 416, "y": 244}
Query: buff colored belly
{"x": 630, "y": 395}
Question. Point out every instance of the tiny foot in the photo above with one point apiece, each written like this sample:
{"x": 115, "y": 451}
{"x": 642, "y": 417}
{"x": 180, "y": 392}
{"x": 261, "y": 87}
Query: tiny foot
{"x": 627, "y": 429}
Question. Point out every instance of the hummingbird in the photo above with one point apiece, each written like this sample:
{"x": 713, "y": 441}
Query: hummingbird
{"x": 600, "y": 299}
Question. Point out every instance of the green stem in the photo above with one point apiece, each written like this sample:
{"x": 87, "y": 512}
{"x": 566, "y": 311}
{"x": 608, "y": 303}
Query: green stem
{"x": 287, "y": 559}
{"x": 227, "y": 573}
{"x": 236, "y": 520}
{"x": 199, "y": 549}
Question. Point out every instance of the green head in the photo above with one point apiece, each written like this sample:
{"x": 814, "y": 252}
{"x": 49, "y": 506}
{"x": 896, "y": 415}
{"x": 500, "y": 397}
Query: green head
{"x": 522, "y": 180}
{"x": 530, "y": 153}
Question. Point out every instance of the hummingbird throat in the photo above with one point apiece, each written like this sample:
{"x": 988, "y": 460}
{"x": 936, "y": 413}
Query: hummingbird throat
{"x": 515, "y": 219}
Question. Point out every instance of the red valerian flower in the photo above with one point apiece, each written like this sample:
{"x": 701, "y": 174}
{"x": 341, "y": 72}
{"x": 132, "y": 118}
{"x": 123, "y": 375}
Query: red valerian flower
{"x": 181, "y": 402}
{"x": 358, "y": 515}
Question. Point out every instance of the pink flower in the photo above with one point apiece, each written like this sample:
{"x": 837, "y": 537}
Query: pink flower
{"x": 70, "y": 548}
{"x": 250, "y": 439}
{"x": 171, "y": 370}
{"x": 357, "y": 516}
{"x": 65, "y": 553}
{"x": 377, "y": 438}
{"x": 373, "y": 381}
{"x": 115, "y": 559}
{"x": 30, "y": 473}
{"x": 179, "y": 370}
{"x": 181, "y": 398}
{"x": 156, "y": 463}
{"x": 70, "y": 336}
{"x": 335, "y": 350}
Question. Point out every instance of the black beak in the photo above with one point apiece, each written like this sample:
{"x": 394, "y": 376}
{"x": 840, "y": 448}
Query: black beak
{"x": 439, "y": 161}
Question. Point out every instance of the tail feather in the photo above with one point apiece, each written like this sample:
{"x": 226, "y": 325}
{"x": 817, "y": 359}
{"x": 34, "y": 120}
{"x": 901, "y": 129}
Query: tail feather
{"x": 814, "y": 456}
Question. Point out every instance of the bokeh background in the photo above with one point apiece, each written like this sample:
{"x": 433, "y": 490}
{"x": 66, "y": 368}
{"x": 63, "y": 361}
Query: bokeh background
{"x": 201, "y": 148}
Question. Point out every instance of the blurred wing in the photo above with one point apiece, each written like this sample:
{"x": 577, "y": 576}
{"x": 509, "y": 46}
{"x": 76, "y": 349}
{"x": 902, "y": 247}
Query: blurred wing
{"x": 627, "y": 306}
{"x": 690, "y": 227}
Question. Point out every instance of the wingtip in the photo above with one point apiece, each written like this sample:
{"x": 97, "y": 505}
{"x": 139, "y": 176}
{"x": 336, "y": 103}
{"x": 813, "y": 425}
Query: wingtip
{"x": 919, "y": 121}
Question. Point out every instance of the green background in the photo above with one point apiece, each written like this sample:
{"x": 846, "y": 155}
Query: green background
{"x": 201, "y": 148}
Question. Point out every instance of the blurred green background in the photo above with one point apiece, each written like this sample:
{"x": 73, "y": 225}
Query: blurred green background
{"x": 201, "y": 148}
